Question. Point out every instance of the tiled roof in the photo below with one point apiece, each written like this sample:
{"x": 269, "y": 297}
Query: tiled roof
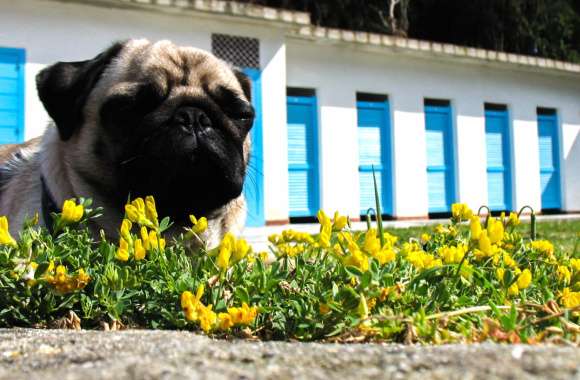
{"x": 421, "y": 47}
{"x": 226, "y": 8}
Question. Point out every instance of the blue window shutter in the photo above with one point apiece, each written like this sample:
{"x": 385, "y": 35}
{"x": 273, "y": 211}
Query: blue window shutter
{"x": 302, "y": 156}
{"x": 11, "y": 95}
{"x": 254, "y": 184}
{"x": 374, "y": 151}
{"x": 440, "y": 164}
{"x": 549, "y": 161}
{"x": 498, "y": 160}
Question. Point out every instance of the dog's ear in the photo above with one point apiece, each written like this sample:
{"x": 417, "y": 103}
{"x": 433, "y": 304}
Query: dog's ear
{"x": 245, "y": 82}
{"x": 64, "y": 88}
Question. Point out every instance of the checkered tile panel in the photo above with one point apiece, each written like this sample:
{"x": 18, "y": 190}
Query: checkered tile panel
{"x": 239, "y": 51}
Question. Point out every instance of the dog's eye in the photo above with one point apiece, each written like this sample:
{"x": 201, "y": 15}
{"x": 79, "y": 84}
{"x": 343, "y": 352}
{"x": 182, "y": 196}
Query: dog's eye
{"x": 244, "y": 116}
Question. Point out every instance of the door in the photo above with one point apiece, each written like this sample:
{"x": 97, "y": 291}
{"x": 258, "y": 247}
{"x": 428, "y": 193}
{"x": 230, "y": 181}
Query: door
{"x": 440, "y": 164}
{"x": 549, "y": 160}
{"x": 497, "y": 141}
{"x": 254, "y": 185}
{"x": 11, "y": 95}
{"x": 374, "y": 151}
{"x": 302, "y": 156}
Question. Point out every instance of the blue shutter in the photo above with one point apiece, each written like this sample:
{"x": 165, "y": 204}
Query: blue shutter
{"x": 440, "y": 165}
{"x": 374, "y": 150}
{"x": 498, "y": 160}
{"x": 302, "y": 156}
{"x": 549, "y": 161}
{"x": 254, "y": 185}
{"x": 11, "y": 95}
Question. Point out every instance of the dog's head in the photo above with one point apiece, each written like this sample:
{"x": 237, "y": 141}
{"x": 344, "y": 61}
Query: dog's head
{"x": 155, "y": 119}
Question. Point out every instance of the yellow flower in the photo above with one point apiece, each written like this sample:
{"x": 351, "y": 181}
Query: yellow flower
{"x": 475, "y": 227}
{"x": 543, "y": 246}
{"x": 151, "y": 210}
{"x": 123, "y": 251}
{"x": 513, "y": 220}
{"x": 371, "y": 244}
{"x": 385, "y": 255}
{"x": 241, "y": 250}
{"x": 485, "y": 244}
{"x": 495, "y": 230}
{"x": 575, "y": 264}
{"x": 199, "y": 225}
{"x": 5, "y": 237}
{"x": 225, "y": 321}
{"x": 243, "y": 315}
{"x": 137, "y": 213}
{"x": 139, "y": 250}
{"x": 126, "y": 229}
{"x": 564, "y": 274}
{"x": 513, "y": 290}
{"x": 323, "y": 308}
{"x": 460, "y": 211}
{"x": 323, "y": 219}
{"x": 524, "y": 279}
{"x": 71, "y": 212}
{"x": 207, "y": 318}
{"x": 452, "y": 255}
{"x": 425, "y": 238}
{"x": 422, "y": 260}
{"x": 339, "y": 222}
{"x": 65, "y": 283}
{"x": 264, "y": 255}
{"x": 191, "y": 304}
{"x": 357, "y": 259}
{"x": 570, "y": 299}
{"x": 225, "y": 251}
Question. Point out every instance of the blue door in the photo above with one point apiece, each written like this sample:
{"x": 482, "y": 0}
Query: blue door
{"x": 11, "y": 95}
{"x": 254, "y": 185}
{"x": 549, "y": 160}
{"x": 302, "y": 156}
{"x": 440, "y": 165}
{"x": 374, "y": 135}
{"x": 497, "y": 142}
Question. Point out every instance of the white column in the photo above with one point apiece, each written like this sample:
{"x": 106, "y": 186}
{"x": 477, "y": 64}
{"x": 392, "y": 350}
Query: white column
{"x": 338, "y": 151}
{"x": 35, "y": 117}
{"x": 570, "y": 168}
{"x": 526, "y": 157}
{"x": 274, "y": 129}
{"x": 471, "y": 153}
{"x": 410, "y": 157}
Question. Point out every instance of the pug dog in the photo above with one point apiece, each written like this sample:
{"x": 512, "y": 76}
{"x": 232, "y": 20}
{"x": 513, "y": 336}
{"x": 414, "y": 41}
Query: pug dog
{"x": 139, "y": 119}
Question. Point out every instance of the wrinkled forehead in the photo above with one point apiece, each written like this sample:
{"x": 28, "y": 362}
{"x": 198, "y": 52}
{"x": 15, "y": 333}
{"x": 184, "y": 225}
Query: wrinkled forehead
{"x": 169, "y": 66}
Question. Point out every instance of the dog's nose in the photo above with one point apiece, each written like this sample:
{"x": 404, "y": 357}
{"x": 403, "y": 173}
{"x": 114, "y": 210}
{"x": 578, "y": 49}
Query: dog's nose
{"x": 189, "y": 118}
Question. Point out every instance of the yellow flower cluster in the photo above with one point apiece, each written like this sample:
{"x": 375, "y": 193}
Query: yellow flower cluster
{"x": 372, "y": 246}
{"x": 129, "y": 244}
{"x": 523, "y": 281}
{"x": 71, "y": 212}
{"x": 143, "y": 212}
{"x": 291, "y": 243}
{"x": 543, "y": 246}
{"x": 231, "y": 250}
{"x": 569, "y": 298}
{"x": 5, "y": 237}
{"x": 64, "y": 282}
{"x": 199, "y": 225}
{"x": 460, "y": 211}
{"x": 327, "y": 226}
{"x": 196, "y": 311}
{"x": 420, "y": 259}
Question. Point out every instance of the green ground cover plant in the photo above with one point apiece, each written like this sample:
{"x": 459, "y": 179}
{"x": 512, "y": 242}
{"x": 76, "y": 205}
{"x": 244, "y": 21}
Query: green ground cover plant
{"x": 469, "y": 280}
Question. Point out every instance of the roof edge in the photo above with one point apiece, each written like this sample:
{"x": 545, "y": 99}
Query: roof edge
{"x": 271, "y": 16}
{"x": 416, "y": 47}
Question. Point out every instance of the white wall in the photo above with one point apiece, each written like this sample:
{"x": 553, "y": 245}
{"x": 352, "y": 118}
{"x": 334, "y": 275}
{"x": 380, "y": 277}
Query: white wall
{"x": 51, "y": 31}
{"x": 342, "y": 70}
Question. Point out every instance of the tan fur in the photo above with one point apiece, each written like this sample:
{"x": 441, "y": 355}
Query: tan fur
{"x": 61, "y": 161}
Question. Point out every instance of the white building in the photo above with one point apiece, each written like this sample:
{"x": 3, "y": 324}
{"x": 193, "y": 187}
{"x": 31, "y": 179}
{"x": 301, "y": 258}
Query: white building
{"x": 440, "y": 123}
